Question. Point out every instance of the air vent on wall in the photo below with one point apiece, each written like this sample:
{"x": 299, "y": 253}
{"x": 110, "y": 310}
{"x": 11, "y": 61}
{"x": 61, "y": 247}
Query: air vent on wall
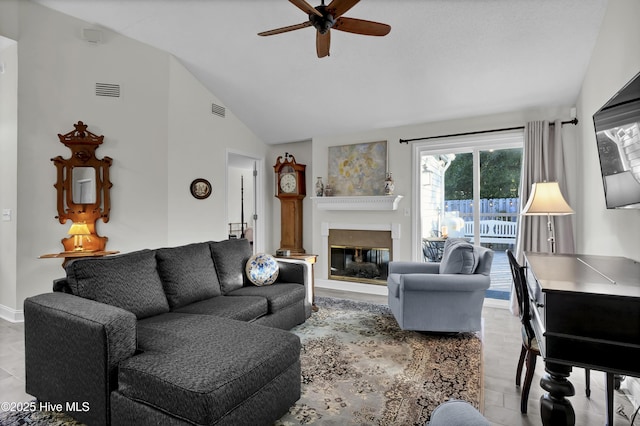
{"x": 106, "y": 89}
{"x": 218, "y": 110}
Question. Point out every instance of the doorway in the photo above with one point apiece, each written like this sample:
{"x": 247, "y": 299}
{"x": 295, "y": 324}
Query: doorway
{"x": 244, "y": 200}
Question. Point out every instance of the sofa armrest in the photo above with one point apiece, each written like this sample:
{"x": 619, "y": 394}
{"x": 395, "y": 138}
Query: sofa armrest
{"x": 72, "y": 350}
{"x": 62, "y": 285}
{"x": 292, "y": 271}
{"x": 414, "y": 267}
{"x": 445, "y": 282}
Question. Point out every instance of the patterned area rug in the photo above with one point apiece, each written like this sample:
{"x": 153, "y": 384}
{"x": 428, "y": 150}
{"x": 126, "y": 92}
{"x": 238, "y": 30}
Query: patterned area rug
{"x": 359, "y": 368}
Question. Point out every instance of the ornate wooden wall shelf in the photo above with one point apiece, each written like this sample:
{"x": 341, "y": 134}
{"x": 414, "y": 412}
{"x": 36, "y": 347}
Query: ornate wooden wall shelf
{"x": 83, "y": 186}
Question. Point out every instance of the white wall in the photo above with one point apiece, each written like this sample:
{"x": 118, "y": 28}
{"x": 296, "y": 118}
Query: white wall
{"x": 160, "y": 134}
{"x": 400, "y": 164}
{"x": 58, "y": 72}
{"x": 198, "y": 141}
{"x": 8, "y": 172}
{"x": 615, "y": 60}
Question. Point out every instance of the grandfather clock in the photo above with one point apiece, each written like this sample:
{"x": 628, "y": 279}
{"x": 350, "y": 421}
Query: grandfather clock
{"x": 290, "y": 189}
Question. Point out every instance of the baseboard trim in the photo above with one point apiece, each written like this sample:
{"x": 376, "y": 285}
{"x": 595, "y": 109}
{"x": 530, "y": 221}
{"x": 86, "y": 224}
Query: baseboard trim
{"x": 11, "y": 315}
{"x": 355, "y": 287}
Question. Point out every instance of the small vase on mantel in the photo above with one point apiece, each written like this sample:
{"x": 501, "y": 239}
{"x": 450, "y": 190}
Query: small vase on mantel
{"x": 328, "y": 190}
{"x": 389, "y": 186}
{"x": 319, "y": 187}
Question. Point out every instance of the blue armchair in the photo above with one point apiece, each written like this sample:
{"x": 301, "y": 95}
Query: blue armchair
{"x": 443, "y": 297}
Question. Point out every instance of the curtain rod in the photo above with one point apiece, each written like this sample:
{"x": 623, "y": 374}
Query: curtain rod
{"x": 479, "y": 132}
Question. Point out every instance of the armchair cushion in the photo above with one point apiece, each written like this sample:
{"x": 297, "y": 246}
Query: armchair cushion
{"x": 459, "y": 258}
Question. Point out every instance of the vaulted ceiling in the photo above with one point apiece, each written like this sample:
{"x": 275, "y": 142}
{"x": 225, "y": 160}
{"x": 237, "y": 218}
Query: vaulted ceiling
{"x": 443, "y": 59}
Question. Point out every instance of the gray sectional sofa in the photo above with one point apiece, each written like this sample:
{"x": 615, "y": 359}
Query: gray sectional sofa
{"x": 171, "y": 336}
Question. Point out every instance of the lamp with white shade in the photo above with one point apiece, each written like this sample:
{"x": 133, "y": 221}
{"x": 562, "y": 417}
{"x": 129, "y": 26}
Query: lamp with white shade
{"x": 546, "y": 200}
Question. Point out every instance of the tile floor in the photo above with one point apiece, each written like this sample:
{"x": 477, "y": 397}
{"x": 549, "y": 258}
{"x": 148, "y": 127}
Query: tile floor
{"x": 501, "y": 338}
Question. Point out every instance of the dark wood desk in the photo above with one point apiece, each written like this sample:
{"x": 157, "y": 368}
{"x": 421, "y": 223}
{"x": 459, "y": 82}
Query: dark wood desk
{"x": 586, "y": 313}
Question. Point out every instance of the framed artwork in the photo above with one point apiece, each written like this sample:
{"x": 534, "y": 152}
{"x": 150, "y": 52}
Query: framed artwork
{"x": 200, "y": 188}
{"x": 358, "y": 169}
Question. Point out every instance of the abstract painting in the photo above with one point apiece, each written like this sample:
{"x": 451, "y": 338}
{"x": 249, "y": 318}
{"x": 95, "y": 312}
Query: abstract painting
{"x": 358, "y": 169}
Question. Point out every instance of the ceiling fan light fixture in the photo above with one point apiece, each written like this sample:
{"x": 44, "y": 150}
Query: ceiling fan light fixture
{"x": 324, "y": 18}
{"x": 322, "y": 23}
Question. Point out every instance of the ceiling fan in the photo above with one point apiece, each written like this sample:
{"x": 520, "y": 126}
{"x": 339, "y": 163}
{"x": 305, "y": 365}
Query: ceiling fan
{"x": 324, "y": 18}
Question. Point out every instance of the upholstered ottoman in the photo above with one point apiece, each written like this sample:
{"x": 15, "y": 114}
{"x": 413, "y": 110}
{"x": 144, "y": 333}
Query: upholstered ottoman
{"x": 205, "y": 370}
{"x": 457, "y": 413}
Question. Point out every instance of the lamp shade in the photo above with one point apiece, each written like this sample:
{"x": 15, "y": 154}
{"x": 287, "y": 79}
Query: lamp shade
{"x": 79, "y": 229}
{"x": 546, "y": 199}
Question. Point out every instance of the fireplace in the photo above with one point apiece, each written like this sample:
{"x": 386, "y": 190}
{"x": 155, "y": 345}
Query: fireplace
{"x": 360, "y": 256}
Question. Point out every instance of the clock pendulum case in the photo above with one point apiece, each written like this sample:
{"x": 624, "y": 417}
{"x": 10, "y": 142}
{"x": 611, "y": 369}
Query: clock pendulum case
{"x": 291, "y": 190}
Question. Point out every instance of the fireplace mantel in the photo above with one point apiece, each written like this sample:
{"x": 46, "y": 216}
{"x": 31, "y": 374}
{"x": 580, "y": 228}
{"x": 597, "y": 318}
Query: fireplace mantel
{"x": 382, "y": 202}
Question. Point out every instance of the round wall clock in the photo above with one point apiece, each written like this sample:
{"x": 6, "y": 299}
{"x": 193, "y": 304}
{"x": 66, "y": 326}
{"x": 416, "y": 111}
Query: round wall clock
{"x": 200, "y": 188}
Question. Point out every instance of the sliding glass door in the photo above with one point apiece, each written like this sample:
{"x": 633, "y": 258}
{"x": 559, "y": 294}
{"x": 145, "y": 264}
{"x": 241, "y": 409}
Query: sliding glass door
{"x": 468, "y": 188}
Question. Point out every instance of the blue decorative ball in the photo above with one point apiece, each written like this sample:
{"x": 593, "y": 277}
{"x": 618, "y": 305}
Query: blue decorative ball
{"x": 262, "y": 269}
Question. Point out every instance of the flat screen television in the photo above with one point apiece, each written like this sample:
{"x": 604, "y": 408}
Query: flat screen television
{"x": 617, "y": 126}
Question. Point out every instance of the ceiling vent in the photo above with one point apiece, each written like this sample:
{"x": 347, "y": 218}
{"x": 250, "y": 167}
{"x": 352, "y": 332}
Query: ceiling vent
{"x": 218, "y": 110}
{"x": 109, "y": 90}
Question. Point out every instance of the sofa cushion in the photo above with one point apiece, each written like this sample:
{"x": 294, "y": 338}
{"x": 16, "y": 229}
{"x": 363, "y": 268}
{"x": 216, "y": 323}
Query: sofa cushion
{"x": 459, "y": 258}
{"x": 129, "y": 281}
{"x": 242, "y": 308}
{"x": 262, "y": 269}
{"x": 188, "y": 274}
{"x": 230, "y": 257}
{"x": 278, "y": 295}
{"x": 197, "y": 367}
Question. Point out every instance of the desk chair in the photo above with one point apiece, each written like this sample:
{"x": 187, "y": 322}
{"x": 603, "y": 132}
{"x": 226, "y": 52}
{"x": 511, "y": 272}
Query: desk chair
{"x": 530, "y": 350}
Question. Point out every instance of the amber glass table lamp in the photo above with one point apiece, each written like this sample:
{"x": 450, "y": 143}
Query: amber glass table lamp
{"x": 79, "y": 230}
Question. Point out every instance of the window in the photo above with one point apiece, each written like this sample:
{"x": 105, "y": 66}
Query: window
{"x": 468, "y": 187}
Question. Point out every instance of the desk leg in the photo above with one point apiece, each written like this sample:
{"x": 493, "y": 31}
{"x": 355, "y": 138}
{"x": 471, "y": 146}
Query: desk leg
{"x": 555, "y": 409}
{"x": 610, "y": 386}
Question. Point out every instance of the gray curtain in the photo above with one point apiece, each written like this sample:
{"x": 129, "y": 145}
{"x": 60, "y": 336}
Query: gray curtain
{"x": 542, "y": 160}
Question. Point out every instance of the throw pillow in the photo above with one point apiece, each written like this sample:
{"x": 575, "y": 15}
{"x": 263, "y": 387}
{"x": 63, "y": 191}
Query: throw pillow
{"x": 129, "y": 281}
{"x": 230, "y": 258}
{"x": 459, "y": 258}
{"x": 188, "y": 274}
{"x": 262, "y": 269}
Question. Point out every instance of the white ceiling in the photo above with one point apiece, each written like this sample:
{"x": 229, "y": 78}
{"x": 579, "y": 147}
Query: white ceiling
{"x": 444, "y": 59}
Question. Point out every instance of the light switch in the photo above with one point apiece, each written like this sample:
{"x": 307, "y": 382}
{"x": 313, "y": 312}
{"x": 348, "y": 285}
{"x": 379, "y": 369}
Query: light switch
{"x": 6, "y": 215}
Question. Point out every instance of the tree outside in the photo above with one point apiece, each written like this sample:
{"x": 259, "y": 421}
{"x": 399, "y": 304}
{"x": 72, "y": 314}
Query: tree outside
{"x": 499, "y": 175}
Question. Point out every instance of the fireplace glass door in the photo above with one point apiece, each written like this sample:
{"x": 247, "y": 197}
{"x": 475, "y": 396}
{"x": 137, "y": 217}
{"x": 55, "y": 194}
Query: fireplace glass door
{"x": 360, "y": 264}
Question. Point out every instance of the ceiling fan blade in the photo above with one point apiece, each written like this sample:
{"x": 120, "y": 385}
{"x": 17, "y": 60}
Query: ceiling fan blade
{"x": 305, "y": 7}
{"x": 338, "y": 7}
{"x": 360, "y": 26}
{"x": 323, "y": 41}
{"x": 285, "y": 29}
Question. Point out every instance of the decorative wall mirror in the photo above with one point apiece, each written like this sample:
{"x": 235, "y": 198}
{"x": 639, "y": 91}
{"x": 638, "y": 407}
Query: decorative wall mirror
{"x": 83, "y": 189}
